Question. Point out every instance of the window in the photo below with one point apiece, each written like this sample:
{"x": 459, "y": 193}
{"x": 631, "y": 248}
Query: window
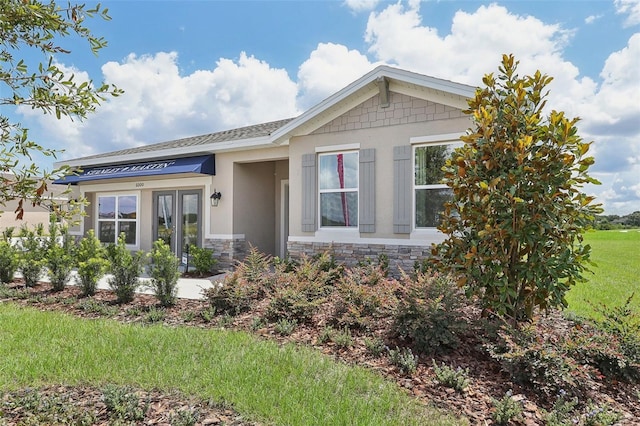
{"x": 117, "y": 214}
{"x": 338, "y": 187}
{"x": 430, "y": 194}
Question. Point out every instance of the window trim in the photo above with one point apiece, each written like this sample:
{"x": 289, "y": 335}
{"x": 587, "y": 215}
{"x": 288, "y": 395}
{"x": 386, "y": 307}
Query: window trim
{"x": 418, "y": 142}
{"x": 136, "y": 194}
{"x": 336, "y": 151}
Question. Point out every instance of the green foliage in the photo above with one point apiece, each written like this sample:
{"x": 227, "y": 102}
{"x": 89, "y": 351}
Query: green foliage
{"x": 404, "y": 359}
{"x": 234, "y": 295}
{"x": 255, "y": 266}
{"x": 123, "y": 403}
{"x": 342, "y": 338}
{"x": 362, "y": 297}
{"x": 38, "y": 408}
{"x": 599, "y": 415}
{"x": 8, "y": 261}
{"x": 455, "y": 378}
{"x": 285, "y": 327}
{"x": 429, "y": 312}
{"x": 516, "y": 219}
{"x": 375, "y": 346}
{"x": 202, "y": 259}
{"x": 37, "y": 27}
{"x": 291, "y": 304}
{"x": 91, "y": 262}
{"x": 506, "y": 409}
{"x": 32, "y": 255}
{"x": 155, "y": 315}
{"x": 184, "y": 417}
{"x": 59, "y": 256}
{"x": 164, "y": 273}
{"x": 126, "y": 268}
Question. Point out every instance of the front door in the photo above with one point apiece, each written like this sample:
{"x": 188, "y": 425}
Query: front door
{"x": 178, "y": 219}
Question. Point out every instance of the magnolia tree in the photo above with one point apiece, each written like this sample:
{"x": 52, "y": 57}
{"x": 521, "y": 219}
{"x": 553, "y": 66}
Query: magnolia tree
{"x": 38, "y": 27}
{"x": 514, "y": 225}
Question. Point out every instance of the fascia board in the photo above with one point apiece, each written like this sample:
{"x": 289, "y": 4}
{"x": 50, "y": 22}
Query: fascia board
{"x": 234, "y": 145}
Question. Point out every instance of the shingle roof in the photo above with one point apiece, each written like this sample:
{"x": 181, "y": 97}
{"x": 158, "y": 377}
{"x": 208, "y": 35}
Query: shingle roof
{"x": 248, "y": 132}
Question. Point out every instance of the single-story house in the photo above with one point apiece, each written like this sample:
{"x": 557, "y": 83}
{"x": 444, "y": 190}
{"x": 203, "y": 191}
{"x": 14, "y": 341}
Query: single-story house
{"x": 33, "y": 215}
{"x": 358, "y": 174}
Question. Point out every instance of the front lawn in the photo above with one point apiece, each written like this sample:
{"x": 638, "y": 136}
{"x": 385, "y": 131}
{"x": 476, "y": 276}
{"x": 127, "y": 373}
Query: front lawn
{"x": 616, "y": 276}
{"x": 284, "y": 384}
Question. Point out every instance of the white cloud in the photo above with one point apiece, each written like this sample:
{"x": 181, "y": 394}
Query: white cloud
{"x": 630, "y": 8}
{"x": 591, "y": 19}
{"x": 361, "y": 5}
{"x": 330, "y": 67}
{"x": 160, "y": 104}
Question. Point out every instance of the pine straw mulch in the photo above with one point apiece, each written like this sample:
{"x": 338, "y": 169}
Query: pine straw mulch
{"x": 476, "y": 402}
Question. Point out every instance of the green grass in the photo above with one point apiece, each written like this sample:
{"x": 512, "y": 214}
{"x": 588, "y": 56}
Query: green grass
{"x": 616, "y": 276}
{"x": 280, "y": 384}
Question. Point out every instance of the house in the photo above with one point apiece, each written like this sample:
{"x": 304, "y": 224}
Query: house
{"x": 358, "y": 174}
{"x": 33, "y": 215}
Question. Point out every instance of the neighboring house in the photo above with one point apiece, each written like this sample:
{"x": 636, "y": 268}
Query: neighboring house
{"x": 32, "y": 215}
{"x": 358, "y": 173}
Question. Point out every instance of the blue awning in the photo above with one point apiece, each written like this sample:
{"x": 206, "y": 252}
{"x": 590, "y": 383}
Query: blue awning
{"x": 204, "y": 164}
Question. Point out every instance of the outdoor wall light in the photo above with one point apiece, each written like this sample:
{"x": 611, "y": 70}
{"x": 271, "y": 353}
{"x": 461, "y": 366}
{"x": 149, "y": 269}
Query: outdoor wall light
{"x": 215, "y": 198}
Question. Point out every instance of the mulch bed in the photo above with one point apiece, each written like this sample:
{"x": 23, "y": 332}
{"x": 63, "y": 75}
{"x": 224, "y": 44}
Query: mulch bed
{"x": 488, "y": 382}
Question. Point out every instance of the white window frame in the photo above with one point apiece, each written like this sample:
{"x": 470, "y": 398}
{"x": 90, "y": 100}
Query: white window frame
{"x": 135, "y": 246}
{"x": 348, "y": 149}
{"x": 437, "y": 140}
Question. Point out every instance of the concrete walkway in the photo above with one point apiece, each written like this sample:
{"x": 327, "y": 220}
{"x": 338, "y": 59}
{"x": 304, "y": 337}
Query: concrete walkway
{"x": 188, "y": 288}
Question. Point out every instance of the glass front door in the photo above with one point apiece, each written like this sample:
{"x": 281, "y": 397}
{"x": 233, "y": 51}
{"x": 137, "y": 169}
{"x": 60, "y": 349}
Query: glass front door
{"x": 178, "y": 219}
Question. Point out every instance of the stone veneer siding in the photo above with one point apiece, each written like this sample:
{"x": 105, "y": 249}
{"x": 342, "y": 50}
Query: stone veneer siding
{"x": 401, "y": 257}
{"x": 402, "y": 109}
{"x": 227, "y": 251}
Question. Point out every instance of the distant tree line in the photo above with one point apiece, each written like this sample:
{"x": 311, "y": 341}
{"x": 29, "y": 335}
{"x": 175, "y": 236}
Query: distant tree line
{"x": 614, "y": 221}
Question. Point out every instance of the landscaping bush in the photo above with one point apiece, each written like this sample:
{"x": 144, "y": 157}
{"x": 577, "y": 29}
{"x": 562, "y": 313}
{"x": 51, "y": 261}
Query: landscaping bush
{"x": 255, "y": 266}
{"x": 534, "y": 356}
{"x": 455, "y": 378}
{"x": 202, "y": 260}
{"x": 126, "y": 268}
{"x": 362, "y": 297}
{"x": 290, "y": 303}
{"x": 32, "y": 255}
{"x": 429, "y": 312}
{"x": 234, "y": 295}
{"x": 91, "y": 263}
{"x": 59, "y": 256}
{"x": 164, "y": 273}
{"x": 8, "y": 257}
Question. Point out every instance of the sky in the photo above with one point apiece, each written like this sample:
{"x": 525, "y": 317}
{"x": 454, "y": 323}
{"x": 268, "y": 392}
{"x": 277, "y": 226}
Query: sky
{"x": 196, "y": 67}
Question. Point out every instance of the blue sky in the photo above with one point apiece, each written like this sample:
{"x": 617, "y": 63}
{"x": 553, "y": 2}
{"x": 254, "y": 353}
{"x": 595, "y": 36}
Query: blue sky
{"x": 194, "y": 67}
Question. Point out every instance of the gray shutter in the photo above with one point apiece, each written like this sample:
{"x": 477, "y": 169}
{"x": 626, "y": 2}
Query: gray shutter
{"x": 367, "y": 208}
{"x": 402, "y": 189}
{"x": 309, "y": 194}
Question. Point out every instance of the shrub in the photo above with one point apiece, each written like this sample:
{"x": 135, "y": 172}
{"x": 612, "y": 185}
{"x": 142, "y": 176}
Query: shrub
{"x": 123, "y": 403}
{"x": 8, "y": 261}
{"x": 59, "y": 256}
{"x": 91, "y": 263}
{"x": 375, "y": 346}
{"x": 234, "y": 295}
{"x": 290, "y": 303}
{"x": 32, "y": 255}
{"x": 624, "y": 323}
{"x": 255, "y": 266}
{"x": 363, "y": 296}
{"x": 429, "y": 312}
{"x": 533, "y": 355}
{"x": 506, "y": 409}
{"x": 514, "y": 225}
{"x": 342, "y": 338}
{"x": 202, "y": 259}
{"x": 164, "y": 273}
{"x": 457, "y": 378}
{"x": 404, "y": 359}
{"x": 600, "y": 415}
{"x": 126, "y": 267}
{"x": 285, "y": 326}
